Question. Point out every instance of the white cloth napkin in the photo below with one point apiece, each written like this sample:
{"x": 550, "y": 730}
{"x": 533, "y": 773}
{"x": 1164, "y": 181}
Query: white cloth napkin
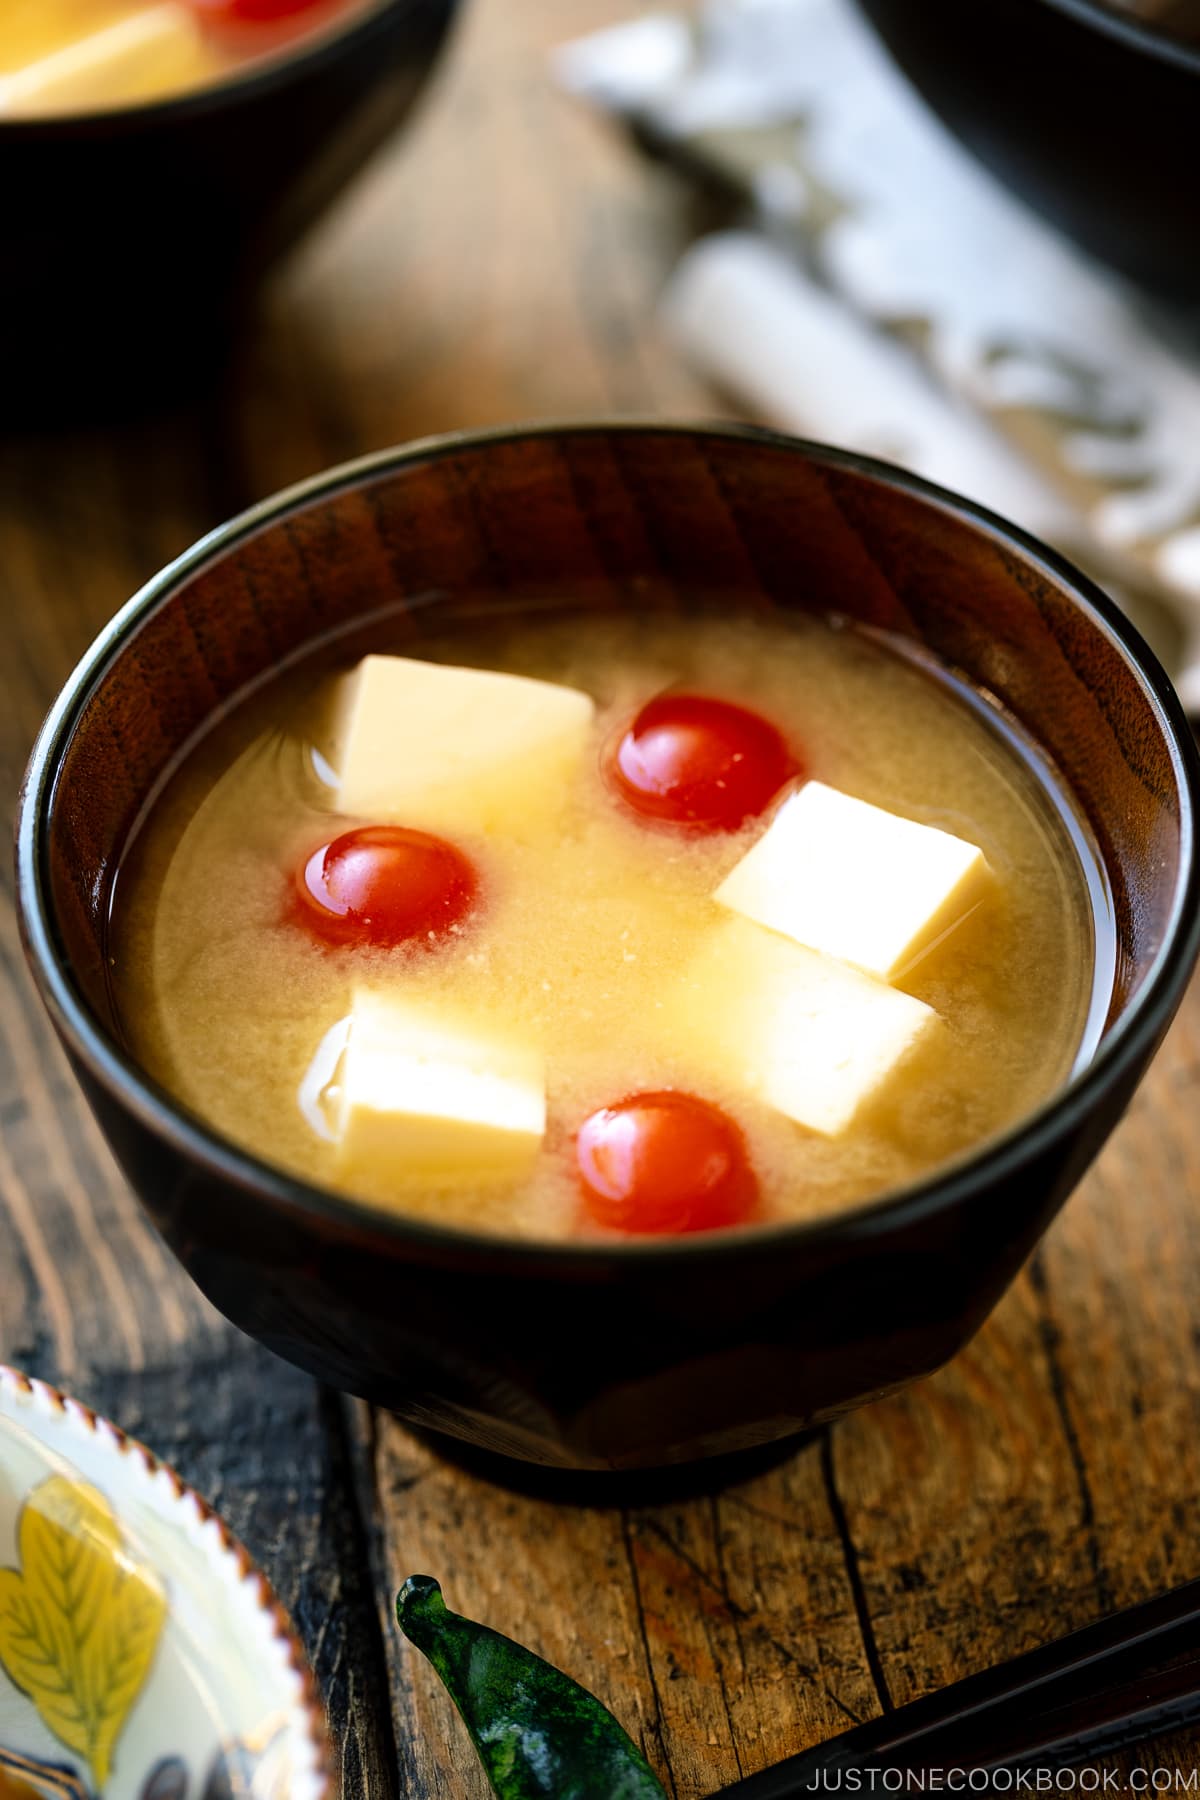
{"x": 895, "y": 299}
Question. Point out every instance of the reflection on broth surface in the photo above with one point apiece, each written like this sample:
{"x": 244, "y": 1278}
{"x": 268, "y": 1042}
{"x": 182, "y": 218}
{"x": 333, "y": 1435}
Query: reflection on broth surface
{"x": 594, "y": 948}
{"x": 59, "y": 57}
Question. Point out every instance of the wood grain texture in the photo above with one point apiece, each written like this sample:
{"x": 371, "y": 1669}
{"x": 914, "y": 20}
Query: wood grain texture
{"x": 502, "y": 263}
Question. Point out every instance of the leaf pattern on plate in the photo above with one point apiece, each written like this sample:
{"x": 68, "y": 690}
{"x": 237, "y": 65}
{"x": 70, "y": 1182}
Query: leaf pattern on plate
{"x": 80, "y": 1621}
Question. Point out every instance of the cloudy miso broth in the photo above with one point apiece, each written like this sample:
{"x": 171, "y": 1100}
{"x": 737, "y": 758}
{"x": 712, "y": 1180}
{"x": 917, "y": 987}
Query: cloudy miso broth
{"x": 594, "y": 934}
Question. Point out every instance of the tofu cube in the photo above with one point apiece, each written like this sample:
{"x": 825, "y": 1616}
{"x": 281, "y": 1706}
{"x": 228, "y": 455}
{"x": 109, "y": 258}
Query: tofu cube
{"x": 147, "y": 53}
{"x": 452, "y": 749}
{"x": 812, "y": 1037}
{"x": 435, "y": 1098}
{"x": 853, "y": 881}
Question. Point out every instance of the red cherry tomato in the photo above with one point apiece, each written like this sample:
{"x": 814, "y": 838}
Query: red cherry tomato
{"x": 254, "y": 12}
{"x": 664, "y": 1162}
{"x": 690, "y": 760}
{"x": 385, "y": 884}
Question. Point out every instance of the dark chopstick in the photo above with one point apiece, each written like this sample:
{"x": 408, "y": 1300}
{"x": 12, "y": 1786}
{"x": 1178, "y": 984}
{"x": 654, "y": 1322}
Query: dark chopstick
{"x": 1131, "y": 1676}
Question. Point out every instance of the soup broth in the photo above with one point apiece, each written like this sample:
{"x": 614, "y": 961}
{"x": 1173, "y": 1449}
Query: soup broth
{"x": 594, "y": 926}
{"x": 59, "y": 57}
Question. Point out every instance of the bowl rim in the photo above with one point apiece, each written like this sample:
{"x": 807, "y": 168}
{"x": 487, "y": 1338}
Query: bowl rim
{"x": 18, "y": 1387}
{"x": 1132, "y": 1038}
{"x": 247, "y": 84}
{"x": 1135, "y": 32}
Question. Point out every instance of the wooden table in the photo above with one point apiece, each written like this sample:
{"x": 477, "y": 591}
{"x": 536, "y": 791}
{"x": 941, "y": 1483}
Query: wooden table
{"x": 502, "y": 263}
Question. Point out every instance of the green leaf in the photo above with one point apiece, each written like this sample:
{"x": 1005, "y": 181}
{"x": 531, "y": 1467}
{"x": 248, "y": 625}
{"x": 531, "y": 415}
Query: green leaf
{"x": 538, "y": 1733}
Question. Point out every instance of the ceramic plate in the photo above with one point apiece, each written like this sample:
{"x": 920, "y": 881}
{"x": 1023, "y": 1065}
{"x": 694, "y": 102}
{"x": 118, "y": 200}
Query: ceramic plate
{"x": 142, "y": 1655}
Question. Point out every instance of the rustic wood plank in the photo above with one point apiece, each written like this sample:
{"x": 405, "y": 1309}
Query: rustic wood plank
{"x": 716, "y": 1640}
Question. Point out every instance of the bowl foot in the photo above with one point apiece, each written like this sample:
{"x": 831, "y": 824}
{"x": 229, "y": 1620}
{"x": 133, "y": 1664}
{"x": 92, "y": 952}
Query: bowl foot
{"x": 612, "y": 1487}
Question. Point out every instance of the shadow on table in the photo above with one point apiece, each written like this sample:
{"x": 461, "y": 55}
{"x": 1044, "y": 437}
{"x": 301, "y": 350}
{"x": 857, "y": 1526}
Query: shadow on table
{"x": 613, "y": 1487}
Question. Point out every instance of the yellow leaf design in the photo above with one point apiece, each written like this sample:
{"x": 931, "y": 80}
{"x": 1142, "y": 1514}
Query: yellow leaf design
{"x": 79, "y": 1624}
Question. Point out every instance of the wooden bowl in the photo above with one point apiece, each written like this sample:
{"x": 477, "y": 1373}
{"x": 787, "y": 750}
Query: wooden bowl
{"x": 142, "y": 1655}
{"x": 664, "y": 1352}
{"x": 1090, "y": 115}
{"x": 132, "y": 237}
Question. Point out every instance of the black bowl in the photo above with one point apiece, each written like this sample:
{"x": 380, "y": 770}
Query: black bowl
{"x": 1091, "y": 116}
{"x": 130, "y": 238}
{"x": 649, "y": 1354}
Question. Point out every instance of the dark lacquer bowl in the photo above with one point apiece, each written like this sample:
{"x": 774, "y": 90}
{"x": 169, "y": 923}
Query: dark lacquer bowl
{"x": 130, "y": 238}
{"x": 1087, "y": 113}
{"x": 650, "y": 1353}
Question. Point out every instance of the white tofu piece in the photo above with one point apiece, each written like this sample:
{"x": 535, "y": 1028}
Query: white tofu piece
{"x": 442, "y": 1099}
{"x": 812, "y": 1037}
{"x": 148, "y": 52}
{"x": 853, "y": 881}
{"x": 448, "y": 749}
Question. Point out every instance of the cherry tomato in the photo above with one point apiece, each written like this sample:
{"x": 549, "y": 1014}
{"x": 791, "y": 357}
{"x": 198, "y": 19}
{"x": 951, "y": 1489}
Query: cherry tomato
{"x": 691, "y": 760}
{"x": 385, "y": 884}
{"x": 665, "y": 1162}
{"x": 254, "y": 12}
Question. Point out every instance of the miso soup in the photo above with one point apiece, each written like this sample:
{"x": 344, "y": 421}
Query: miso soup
{"x": 701, "y": 922}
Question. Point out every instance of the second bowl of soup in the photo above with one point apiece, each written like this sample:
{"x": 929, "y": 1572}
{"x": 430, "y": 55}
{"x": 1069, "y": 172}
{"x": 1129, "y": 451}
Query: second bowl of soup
{"x": 156, "y": 156}
{"x": 611, "y": 942}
